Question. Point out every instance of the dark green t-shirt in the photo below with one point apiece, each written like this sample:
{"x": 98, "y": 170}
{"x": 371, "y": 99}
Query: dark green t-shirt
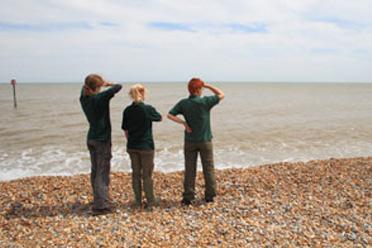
{"x": 137, "y": 120}
{"x": 97, "y": 110}
{"x": 196, "y": 111}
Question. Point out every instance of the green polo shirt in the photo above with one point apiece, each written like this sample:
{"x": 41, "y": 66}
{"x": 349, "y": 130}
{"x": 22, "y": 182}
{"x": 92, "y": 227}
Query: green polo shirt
{"x": 196, "y": 111}
{"x": 137, "y": 120}
{"x": 97, "y": 110}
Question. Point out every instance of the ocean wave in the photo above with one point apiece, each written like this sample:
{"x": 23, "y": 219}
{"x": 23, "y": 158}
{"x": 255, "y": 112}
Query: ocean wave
{"x": 56, "y": 160}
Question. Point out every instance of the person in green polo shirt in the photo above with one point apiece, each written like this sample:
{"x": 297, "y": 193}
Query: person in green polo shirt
{"x": 96, "y": 108}
{"x": 198, "y": 136}
{"x": 137, "y": 126}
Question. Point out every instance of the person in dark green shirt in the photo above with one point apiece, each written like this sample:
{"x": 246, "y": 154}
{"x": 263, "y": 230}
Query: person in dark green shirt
{"x": 137, "y": 126}
{"x": 95, "y": 105}
{"x": 198, "y": 136}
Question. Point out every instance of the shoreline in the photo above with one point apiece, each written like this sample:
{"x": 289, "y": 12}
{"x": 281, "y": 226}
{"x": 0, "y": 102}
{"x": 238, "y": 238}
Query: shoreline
{"x": 166, "y": 172}
{"x": 314, "y": 203}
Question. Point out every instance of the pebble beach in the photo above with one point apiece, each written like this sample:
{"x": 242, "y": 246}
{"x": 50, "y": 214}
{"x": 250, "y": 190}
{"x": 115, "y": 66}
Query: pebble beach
{"x": 320, "y": 203}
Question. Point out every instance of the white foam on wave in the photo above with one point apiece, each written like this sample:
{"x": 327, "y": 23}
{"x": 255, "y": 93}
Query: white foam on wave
{"x": 15, "y": 173}
{"x": 54, "y": 160}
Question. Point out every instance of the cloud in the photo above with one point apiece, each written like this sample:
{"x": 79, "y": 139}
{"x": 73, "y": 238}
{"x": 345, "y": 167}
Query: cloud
{"x": 339, "y": 22}
{"x": 250, "y": 28}
{"x": 43, "y": 27}
{"x": 274, "y": 40}
{"x": 169, "y": 26}
{"x": 210, "y": 27}
{"x": 324, "y": 50}
{"x": 108, "y": 24}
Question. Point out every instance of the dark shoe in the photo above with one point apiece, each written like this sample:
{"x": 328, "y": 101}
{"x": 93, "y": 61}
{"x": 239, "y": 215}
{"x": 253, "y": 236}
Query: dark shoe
{"x": 185, "y": 202}
{"x": 149, "y": 208}
{"x": 96, "y": 212}
{"x": 137, "y": 205}
{"x": 155, "y": 203}
{"x": 208, "y": 200}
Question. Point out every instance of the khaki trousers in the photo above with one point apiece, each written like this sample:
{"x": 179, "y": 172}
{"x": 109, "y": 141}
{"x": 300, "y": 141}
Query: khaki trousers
{"x": 142, "y": 162}
{"x": 191, "y": 151}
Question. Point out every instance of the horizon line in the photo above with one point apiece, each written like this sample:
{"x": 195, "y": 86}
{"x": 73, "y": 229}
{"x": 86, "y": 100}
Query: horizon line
{"x": 214, "y": 81}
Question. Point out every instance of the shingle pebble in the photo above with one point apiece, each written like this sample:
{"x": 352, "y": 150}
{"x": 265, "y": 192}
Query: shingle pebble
{"x": 314, "y": 204}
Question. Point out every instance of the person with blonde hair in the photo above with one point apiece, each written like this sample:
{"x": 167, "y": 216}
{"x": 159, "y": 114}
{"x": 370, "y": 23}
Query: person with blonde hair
{"x": 198, "y": 136}
{"x": 95, "y": 105}
{"x": 137, "y": 126}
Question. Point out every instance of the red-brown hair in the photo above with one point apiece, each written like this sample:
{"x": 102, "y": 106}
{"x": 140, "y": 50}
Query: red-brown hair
{"x": 194, "y": 85}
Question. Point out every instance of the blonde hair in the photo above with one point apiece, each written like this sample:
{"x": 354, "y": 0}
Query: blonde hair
{"x": 92, "y": 83}
{"x": 137, "y": 92}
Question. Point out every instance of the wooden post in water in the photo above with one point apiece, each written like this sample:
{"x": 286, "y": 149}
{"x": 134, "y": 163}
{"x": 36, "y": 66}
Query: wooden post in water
{"x": 14, "y": 82}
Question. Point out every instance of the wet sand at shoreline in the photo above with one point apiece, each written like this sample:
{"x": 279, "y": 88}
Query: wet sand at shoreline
{"x": 317, "y": 203}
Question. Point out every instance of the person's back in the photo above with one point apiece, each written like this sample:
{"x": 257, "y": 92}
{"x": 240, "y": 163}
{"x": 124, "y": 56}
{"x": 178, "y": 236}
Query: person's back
{"x": 98, "y": 117}
{"x": 196, "y": 111}
{"x": 96, "y": 108}
{"x": 138, "y": 123}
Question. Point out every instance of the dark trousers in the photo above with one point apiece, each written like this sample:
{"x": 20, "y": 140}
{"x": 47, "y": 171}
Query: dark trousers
{"x": 191, "y": 150}
{"x": 142, "y": 162}
{"x": 100, "y": 156}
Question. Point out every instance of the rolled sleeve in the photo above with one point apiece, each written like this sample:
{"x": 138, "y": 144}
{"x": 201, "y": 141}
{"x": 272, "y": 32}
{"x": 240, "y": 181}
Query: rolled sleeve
{"x": 152, "y": 114}
{"x": 176, "y": 109}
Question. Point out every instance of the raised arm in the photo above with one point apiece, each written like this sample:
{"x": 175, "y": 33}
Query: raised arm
{"x": 107, "y": 94}
{"x": 115, "y": 87}
{"x": 215, "y": 91}
{"x": 180, "y": 121}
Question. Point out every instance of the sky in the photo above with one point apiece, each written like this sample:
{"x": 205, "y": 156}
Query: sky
{"x": 168, "y": 40}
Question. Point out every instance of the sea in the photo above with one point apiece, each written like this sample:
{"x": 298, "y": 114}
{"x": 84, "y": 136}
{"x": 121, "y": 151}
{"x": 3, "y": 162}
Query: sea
{"x": 256, "y": 123}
